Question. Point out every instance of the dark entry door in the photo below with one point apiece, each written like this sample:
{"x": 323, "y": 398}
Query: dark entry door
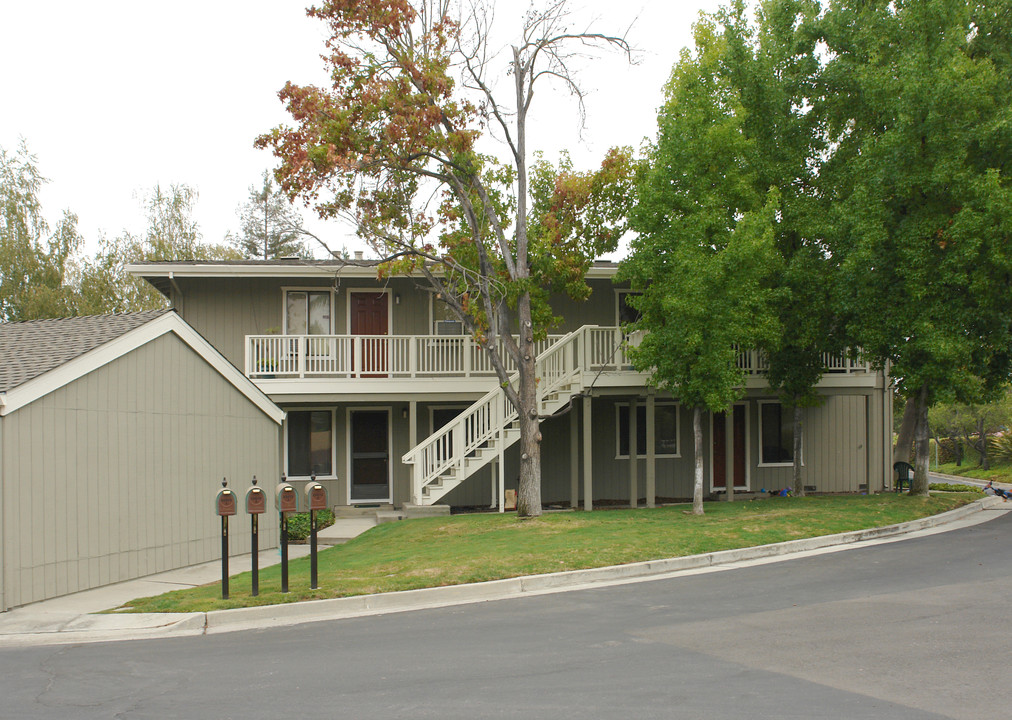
{"x": 370, "y": 316}
{"x": 370, "y": 456}
{"x": 720, "y": 448}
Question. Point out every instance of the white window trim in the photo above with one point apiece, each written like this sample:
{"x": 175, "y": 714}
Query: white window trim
{"x": 373, "y": 290}
{"x": 285, "y": 289}
{"x": 333, "y": 442}
{"x": 762, "y": 464}
{"x": 390, "y": 453}
{"x": 657, "y": 403}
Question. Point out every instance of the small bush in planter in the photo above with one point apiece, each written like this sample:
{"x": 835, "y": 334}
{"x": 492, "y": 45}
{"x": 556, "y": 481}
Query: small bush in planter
{"x": 298, "y": 524}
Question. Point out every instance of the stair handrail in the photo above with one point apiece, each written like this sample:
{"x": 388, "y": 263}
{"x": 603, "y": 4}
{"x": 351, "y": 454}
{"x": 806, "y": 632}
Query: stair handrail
{"x": 489, "y": 415}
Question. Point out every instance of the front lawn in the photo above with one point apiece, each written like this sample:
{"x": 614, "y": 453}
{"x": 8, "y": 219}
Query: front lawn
{"x": 430, "y": 552}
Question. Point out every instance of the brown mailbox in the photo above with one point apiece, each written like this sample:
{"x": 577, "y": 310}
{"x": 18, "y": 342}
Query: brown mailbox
{"x": 287, "y": 499}
{"x": 225, "y": 502}
{"x": 256, "y": 501}
{"x": 316, "y": 496}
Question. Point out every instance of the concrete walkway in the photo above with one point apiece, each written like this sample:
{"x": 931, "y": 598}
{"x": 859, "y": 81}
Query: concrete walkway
{"x": 69, "y": 619}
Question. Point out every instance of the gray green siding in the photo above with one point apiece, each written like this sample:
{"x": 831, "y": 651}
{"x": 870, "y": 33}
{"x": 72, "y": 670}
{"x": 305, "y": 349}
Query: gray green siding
{"x": 114, "y": 475}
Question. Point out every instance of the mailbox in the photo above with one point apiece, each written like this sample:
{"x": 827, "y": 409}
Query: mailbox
{"x": 256, "y": 501}
{"x": 316, "y": 496}
{"x": 225, "y": 503}
{"x": 287, "y": 498}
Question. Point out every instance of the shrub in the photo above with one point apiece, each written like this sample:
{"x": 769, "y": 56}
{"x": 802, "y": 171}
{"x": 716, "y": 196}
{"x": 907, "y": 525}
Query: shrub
{"x": 1001, "y": 448}
{"x": 298, "y": 524}
{"x": 955, "y": 487}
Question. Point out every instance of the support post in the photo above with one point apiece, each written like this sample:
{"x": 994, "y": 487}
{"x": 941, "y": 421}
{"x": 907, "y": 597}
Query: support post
{"x": 574, "y": 458}
{"x": 729, "y": 478}
{"x": 651, "y": 453}
{"x": 588, "y": 483}
{"x": 634, "y": 480}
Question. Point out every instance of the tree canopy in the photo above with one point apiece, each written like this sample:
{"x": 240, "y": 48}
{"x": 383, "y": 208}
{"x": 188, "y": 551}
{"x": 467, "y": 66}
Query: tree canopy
{"x": 917, "y": 101}
{"x": 392, "y": 144}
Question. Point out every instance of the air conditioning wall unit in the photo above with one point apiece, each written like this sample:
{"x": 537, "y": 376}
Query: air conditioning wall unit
{"x": 449, "y": 327}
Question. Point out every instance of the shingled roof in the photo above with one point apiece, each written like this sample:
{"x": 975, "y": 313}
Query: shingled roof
{"x": 34, "y": 347}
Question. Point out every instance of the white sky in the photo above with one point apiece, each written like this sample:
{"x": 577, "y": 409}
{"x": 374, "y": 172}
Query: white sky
{"x": 114, "y": 96}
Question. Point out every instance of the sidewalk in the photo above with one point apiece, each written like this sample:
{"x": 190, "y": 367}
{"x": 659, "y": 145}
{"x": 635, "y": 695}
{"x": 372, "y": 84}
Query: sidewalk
{"x": 69, "y": 619}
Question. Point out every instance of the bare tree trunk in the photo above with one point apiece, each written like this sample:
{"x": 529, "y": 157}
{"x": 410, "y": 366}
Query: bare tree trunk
{"x": 905, "y": 437}
{"x": 921, "y": 435}
{"x": 529, "y": 492}
{"x": 799, "y": 485}
{"x": 697, "y": 440}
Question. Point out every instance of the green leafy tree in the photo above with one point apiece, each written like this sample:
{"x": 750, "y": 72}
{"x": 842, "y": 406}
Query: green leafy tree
{"x": 172, "y": 234}
{"x": 917, "y": 100}
{"x": 36, "y": 262}
{"x": 706, "y": 255}
{"x": 412, "y": 92}
{"x": 270, "y": 226}
{"x": 972, "y": 425}
{"x": 770, "y": 67}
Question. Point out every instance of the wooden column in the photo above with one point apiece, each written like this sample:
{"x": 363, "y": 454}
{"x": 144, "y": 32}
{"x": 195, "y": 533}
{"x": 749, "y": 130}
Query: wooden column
{"x": 651, "y": 454}
{"x": 634, "y": 481}
{"x": 729, "y": 478}
{"x": 588, "y": 441}
{"x": 574, "y": 457}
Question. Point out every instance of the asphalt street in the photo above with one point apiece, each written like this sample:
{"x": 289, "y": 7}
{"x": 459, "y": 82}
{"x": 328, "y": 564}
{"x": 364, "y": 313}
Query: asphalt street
{"x": 909, "y": 629}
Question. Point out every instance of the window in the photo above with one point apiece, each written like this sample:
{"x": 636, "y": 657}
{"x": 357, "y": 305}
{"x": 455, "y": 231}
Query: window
{"x": 310, "y": 443}
{"x": 776, "y": 435}
{"x": 307, "y": 312}
{"x": 626, "y": 313}
{"x": 665, "y": 430}
{"x": 444, "y": 321}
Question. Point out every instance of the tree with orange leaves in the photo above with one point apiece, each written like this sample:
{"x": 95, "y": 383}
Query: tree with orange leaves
{"x": 392, "y": 144}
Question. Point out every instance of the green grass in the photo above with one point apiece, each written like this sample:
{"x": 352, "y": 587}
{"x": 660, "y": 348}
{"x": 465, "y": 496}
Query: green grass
{"x": 431, "y": 552}
{"x": 999, "y": 472}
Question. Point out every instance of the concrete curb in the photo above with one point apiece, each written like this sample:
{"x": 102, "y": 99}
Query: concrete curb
{"x": 130, "y": 626}
{"x": 361, "y": 605}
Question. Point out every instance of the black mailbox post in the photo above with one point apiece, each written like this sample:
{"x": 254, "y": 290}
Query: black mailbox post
{"x": 316, "y": 499}
{"x": 224, "y": 504}
{"x": 287, "y": 501}
{"x": 256, "y": 504}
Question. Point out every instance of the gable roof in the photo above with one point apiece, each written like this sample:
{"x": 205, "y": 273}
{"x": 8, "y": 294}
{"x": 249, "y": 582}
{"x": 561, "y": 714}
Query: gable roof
{"x": 40, "y": 356}
{"x": 34, "y": 347}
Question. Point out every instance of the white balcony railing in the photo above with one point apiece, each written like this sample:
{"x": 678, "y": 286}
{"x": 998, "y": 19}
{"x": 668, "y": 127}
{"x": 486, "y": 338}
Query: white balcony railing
{"x": 422, "y": 356}
{"x": 372, "y": 356}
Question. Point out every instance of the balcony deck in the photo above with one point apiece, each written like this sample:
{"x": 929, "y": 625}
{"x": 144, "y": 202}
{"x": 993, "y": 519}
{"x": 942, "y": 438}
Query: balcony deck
{"x": 370, "y": 365}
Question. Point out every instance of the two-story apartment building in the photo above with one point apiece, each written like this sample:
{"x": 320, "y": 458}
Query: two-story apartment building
{"x": 388, "y": 402}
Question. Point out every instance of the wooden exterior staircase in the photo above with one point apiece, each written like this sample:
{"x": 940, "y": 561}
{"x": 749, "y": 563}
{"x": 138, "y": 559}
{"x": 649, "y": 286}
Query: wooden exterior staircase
{"x": 483, "y": 432}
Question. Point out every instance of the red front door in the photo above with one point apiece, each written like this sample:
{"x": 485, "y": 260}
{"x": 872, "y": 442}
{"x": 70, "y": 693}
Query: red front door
{"x": 720, "y": 448}
{"x": 370, "y": 317}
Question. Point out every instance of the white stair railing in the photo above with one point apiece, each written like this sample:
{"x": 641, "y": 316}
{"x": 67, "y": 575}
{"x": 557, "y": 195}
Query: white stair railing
{"x": 484, "y": 425}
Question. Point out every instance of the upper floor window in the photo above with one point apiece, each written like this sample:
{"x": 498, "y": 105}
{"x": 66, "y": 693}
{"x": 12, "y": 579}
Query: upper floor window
{"x": 444, "y": 320}
{"x": 625, "y": 313}
{"x": 308, "y": 312}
